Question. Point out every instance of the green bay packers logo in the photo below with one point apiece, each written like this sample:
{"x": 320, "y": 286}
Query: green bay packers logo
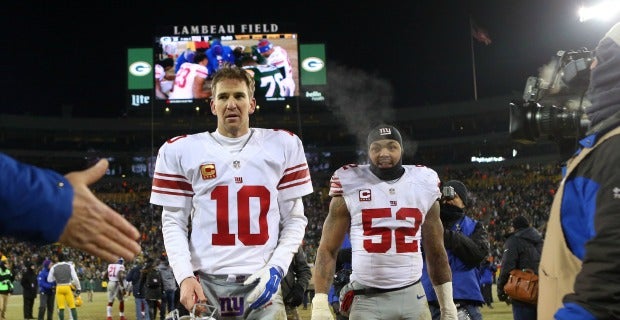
{"x": 312, "y": 64}
{"x": 140, "y": 68}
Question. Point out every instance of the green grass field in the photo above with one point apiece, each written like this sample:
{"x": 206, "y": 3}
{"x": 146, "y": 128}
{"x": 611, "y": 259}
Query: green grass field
{"x": 96, "y": 310}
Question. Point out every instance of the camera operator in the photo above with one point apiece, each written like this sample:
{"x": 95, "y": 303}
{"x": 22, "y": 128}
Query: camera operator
{"x": 578, "y": 272}
{"x": 467, "y": 245}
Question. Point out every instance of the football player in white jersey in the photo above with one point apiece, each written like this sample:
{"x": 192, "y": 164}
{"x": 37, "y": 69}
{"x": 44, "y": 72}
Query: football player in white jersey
{"x": 240, "y": 189}
{"x": 189, "y": 82}
{"x": 278, "y": 57}
{"x": 391, "y": 213}
{"x": 163, "y": 80}
{"x": 116, "y": 288}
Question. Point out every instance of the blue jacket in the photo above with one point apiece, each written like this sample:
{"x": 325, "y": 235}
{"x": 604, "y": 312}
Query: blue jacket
{"x": 134, "y": 277}
{"x": 465, "y": 279}
{"x": 486, "y": 273}
{"x": 216, "y": 60}
{"x": 590, "y": 218}
{"x": 44, "y": 286}
{"x": 36, "y": 203}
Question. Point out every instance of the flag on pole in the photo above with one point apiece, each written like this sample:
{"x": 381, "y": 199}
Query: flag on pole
{"x": 479, "y": 33}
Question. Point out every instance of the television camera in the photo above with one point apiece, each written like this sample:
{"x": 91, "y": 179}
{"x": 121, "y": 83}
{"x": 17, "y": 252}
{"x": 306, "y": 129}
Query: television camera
{"x": 553, "y": 104}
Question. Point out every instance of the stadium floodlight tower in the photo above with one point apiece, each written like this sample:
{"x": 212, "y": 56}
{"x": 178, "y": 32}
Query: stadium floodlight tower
{"x": 605, "y": 11}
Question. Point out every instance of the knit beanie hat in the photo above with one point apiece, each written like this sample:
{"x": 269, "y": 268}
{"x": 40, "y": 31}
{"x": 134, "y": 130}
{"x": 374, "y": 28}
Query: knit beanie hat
{"x": 382, "y": 132}
{"x": 520, "y": 222}
{"x": 459, "y": 188}
{"x": 604, "y": 90}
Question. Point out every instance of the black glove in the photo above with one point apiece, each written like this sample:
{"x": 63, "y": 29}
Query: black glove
{"x": 295, "y": 296}
{"x": 501, "y": 295}
{"x": 77, "y": 292}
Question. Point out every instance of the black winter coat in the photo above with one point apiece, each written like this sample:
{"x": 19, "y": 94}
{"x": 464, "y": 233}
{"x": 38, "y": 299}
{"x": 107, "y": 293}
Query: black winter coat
{"x": 29, "y": 284}
{"x": 149, "y": 292}
{"x": 521, "y": 251}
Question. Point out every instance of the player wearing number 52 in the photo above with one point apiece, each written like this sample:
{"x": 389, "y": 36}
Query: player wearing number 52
{"x": 391, "y": 213}
{"x": 241, "y": 189}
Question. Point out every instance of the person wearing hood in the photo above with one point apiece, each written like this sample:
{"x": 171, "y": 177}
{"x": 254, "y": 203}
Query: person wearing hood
{"x": 581, "y": 257}
{"x": 30, "y": 288}
{"x": 521, "y": 251}
{"x": 391, "y": 213}
{"x": 467, "y": 246}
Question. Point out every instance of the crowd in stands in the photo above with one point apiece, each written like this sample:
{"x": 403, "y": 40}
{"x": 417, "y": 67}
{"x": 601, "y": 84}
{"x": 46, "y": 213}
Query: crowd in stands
{"x": 497, "y": 195}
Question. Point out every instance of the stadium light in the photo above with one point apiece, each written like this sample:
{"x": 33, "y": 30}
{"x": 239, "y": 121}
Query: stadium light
{"x": 604, "y": 11}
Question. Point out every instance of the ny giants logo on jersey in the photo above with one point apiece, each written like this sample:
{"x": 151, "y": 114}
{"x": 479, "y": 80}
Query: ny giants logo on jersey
{"x": 207, "y": 171}
{"x": 365, "y": 195}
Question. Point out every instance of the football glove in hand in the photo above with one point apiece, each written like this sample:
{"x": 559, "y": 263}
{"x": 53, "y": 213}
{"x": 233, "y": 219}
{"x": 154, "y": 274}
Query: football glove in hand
{"x": 320, "y": 308}
{"x": 268, "y": 284}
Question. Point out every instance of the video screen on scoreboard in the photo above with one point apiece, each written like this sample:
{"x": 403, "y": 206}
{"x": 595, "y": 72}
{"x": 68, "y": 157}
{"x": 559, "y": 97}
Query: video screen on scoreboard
{"x": 184, "y": 66}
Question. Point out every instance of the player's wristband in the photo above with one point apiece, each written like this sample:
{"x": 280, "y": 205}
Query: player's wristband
{"x": 320, "y": 301}
{"x": 444, "y": 294}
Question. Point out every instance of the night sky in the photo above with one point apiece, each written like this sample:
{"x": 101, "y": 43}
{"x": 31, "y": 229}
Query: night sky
{"x": 55, "y": 54}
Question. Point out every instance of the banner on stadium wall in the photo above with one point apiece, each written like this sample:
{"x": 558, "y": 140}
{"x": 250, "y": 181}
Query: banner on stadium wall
{"x": 140, "y": 68}
{"x": 313, "y": 67}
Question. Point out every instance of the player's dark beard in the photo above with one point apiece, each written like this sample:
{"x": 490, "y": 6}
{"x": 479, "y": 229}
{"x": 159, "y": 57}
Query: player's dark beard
{"x": 387, "y": 174}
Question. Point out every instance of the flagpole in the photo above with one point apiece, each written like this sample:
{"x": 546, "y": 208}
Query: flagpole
{"x": 473, "y": 58}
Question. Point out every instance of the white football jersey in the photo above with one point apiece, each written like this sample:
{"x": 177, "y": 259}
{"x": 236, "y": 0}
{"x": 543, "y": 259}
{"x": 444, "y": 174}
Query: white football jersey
{"x": 113, "y": 270}
{"x": 233, "y": 198}
{"x": 386, "y": 220}
{"x": 159, "y": 72}
{"x": 279, "y": 58}
{"x": 184, "y": 80}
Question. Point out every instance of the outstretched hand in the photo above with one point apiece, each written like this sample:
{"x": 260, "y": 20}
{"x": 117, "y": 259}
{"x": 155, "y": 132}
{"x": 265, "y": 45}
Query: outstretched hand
{"x": 93, "y": 226}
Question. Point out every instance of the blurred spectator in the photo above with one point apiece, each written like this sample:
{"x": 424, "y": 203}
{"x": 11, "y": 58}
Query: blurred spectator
{"x": 170, "y": 285}
{"x": 487, "y": 277}
{"x": 521, "y": 251}
{"x": 30, "y": 288}
{"x": 6, "y": 287}
{"x": 151, "y": 287}
{"x": 47, "y": 290}
{"x": 133, "y": 276}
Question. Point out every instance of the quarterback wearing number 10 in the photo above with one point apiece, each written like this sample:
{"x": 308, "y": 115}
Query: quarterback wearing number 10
{"x": 232, "y": 214}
